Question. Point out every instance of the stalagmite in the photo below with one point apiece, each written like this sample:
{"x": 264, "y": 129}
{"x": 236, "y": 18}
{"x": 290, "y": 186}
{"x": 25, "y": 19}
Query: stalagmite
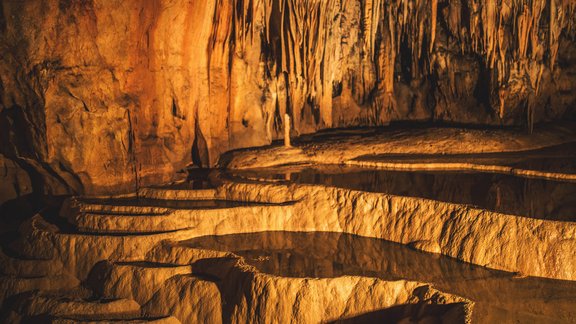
{"x": 143, "y": 178}
{"x": 287, "y": 127}
{"x": 233, "y": 68}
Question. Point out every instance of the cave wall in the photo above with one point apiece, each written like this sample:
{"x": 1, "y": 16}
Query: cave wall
{"x": 101, "y": 96}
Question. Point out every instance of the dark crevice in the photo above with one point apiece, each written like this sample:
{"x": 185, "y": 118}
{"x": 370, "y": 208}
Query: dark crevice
{"x": 200, "y": 155}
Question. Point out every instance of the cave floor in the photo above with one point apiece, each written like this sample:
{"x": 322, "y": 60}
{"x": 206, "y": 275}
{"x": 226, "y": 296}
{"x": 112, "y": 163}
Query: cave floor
{"x": 549, "y": 193}
{"x": 376, "y": 226}
{"x": 338, "y": 147}
{"x": 500, "y": 297}
{"x": 503, "y": 193}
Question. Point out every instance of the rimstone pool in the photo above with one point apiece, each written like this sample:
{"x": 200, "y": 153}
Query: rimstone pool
{"x": 288, "y": 161}
{"x": 388, "y": 241}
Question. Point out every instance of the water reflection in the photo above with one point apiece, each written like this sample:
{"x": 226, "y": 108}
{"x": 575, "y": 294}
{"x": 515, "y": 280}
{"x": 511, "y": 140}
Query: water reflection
{"x": 500, "y": 297}
{"x": 535, "y": 198}
{"x": 166, "y": 203}
{"x": 559, "y": 159}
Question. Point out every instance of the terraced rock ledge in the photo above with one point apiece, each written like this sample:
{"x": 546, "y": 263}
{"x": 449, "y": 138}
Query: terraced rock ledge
{"x": 473, "y": 235}
{"x": 239, "y": 251}
{"x": 140, "y": 277}
{"x": 129, "y": 249}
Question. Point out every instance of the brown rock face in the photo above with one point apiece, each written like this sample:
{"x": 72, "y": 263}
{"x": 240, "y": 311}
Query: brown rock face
{"x": 106, "y": 95}
{"x": 14, "y": 182}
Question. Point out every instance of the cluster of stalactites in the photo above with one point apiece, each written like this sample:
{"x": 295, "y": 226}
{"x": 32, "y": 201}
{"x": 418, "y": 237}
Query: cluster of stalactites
{"x": 511, "y": 35}
{"x": 520, "y": 29}
{"x": 296, "y": 34}
{"x": 520, "y": 37}
{"x": 502, "y": 31}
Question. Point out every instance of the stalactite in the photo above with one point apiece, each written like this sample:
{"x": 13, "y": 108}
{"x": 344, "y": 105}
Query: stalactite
{"x": 510, "y": 35}
{"x": 562, "y": 18}
{"x": 524, "y": 26}
{"x": 434, "y": 9}
{"x": 388, "y": 55}
{"x": 489, "y": 11}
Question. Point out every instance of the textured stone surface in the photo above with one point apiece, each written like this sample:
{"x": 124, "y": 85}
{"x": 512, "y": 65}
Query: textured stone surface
{"x": 28, "y": 268}
{"x": 502, "y": 193}
{"x": 296, "y": 300}
{"x": 481, "y": 237}
{"x": 37, "y": 304}
{"x": 340, "y": 147}
{"x": 136, "y": 281}
{"x": 102, "y": 96}
{"x": 202, "y": 285}
{"x": 148, "y": 263}
{"x": 498, "y": 297}
{"x": 163, "y": 320}
{"x": 13, "y": 285}
{"x": 190, "y": 299}
{"x": 477, "y": 236}
{"x": 14, "y": 181}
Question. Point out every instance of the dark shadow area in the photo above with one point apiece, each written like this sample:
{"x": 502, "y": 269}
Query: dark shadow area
{"x": 199, "y": 148}
{"x": 411, "y": 313}
{"x": 163, "y": 203}
{"x": 14, "y": 212}
{"x": 97, "y": 275}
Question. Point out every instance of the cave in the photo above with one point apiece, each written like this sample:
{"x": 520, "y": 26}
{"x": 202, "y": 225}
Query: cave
{"x": 288, "y": 161}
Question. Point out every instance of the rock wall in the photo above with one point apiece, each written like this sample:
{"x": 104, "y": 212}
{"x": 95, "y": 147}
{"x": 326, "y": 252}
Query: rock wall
{"x": 14, "y": 182}
{"x": 102, "y": 96}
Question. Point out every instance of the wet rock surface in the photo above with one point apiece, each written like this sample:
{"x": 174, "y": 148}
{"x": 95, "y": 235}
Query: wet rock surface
{"x": 160, "y": 258}
{"x": 172, "y": 282}
{"x": 503, "y": 193}
{"x": 342, "y": 146}
{"x": 498, "y": 296}
{"x": 103, "y": 101}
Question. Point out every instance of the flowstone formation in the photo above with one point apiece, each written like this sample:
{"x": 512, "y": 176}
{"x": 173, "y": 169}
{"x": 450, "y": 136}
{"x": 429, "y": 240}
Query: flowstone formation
{"x": 427, "y": 174}
{"x": 313, "y": 242}
{"x": 265, "y": 251}
{"x": 72, "y": 270}
{"x": 103, "y": 96}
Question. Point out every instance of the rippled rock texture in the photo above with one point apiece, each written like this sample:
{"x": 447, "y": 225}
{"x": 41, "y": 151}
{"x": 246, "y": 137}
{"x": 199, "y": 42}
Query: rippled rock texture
{"x": 176, "y": 252}
{"x": 70, "y": 275}
{"x": 104, "y": 95}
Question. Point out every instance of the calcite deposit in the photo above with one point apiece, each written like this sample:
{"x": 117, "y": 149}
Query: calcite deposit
{"x": 427, "y": 172}
{"x": 342, "y": 147}
{"x": 103, "y": 96}
{"x": 158, "y": 262}
{"x": 146, "y": 277}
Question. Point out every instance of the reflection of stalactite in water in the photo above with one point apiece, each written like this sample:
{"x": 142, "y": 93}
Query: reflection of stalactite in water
{"x": 498, "y": 196}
